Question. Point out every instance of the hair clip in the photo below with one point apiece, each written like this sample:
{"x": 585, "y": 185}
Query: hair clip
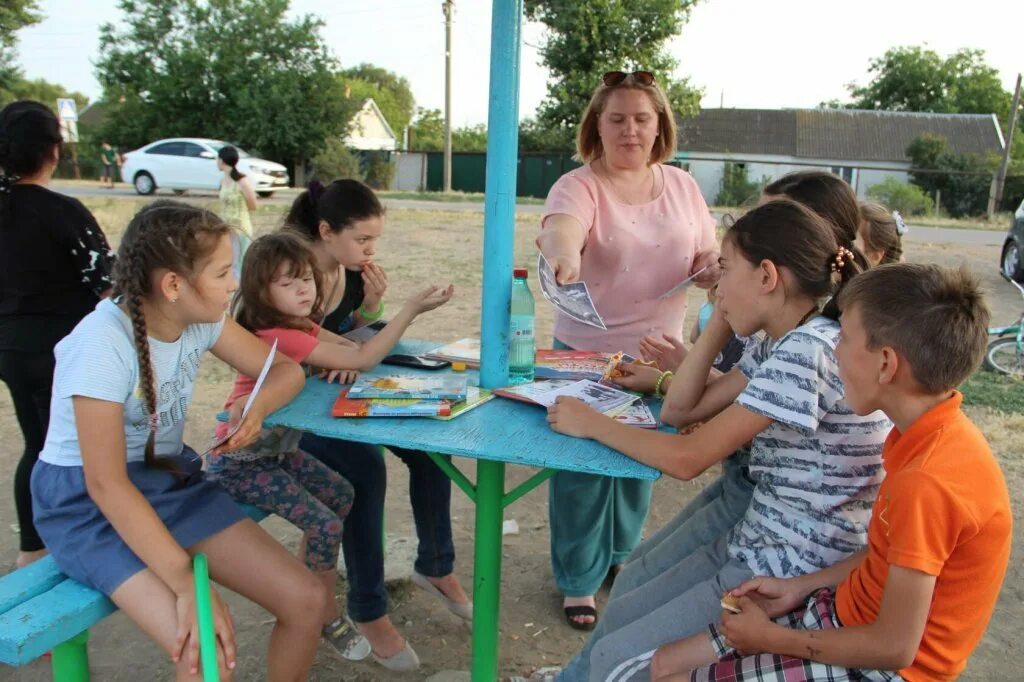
{"x": 901, "y": 226}
{"x": 842, "y": 256}
{"x": 315, "y": 188}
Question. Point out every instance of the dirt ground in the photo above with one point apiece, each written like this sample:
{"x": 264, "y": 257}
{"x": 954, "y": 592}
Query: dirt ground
{"x": 429, "y": 246}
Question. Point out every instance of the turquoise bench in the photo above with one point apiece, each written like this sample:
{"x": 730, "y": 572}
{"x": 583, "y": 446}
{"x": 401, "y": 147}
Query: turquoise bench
{"x": 41, "y": 610}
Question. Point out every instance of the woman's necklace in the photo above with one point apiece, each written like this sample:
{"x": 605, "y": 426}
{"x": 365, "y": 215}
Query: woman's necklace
{"x": 618, "y": 191}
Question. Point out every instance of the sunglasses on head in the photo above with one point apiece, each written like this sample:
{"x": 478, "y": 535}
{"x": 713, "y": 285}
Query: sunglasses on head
{"x": 613, "y": 78}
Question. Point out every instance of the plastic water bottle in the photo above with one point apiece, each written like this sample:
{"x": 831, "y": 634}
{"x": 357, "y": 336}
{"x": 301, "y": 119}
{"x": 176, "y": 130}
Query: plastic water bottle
{"x": 521, "y": 342}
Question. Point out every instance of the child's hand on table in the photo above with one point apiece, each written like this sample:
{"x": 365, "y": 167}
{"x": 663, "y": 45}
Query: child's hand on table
{"x": 637, "y": 377}
{"x": 572, "y": 417}
{"x": 342, "y": 376}
{"x": 667, "y": 353}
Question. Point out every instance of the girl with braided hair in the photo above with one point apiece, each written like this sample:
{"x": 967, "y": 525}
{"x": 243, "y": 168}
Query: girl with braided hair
{"x": 54, "y": 268}
{"x": 119, "y": 499}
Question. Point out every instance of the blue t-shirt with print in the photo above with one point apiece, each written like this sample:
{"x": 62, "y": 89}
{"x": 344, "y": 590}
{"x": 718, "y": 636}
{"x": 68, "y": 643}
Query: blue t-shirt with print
{"x": 817, "y": 467}
{"x": 98, "y": 360}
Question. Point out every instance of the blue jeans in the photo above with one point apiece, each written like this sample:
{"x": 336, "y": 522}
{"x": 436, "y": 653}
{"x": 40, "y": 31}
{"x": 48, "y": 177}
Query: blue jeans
{"x": 684, "y": 560}
{"x": 430, "y": 493}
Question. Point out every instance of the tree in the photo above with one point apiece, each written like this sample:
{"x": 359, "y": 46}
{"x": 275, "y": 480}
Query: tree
{"x": 918, "y": 79}
{"x": 427, "y": 131}
{"x": 390, "y": 91}
{"x": 586, "y": 39}
{"x": 964, "y": 187}
{"x": 470, "y": 138}
{"x": 39, "y": 90}
{"x": 534, "y": 136}
{"x": 240, "y": 70}
{"x": 14, "y": 16}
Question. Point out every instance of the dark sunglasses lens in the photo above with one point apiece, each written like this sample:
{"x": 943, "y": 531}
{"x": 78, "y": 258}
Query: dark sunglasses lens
{"x": 643, "y": 77}
{"x": 613, "y": 78}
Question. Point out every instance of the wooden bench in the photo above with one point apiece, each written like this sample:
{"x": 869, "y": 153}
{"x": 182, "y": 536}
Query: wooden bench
{"x": 41, "y": 610}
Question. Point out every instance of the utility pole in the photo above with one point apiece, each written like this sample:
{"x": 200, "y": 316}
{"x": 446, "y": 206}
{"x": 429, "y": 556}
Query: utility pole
{"x": 449, "y": 7}
{"x": 1001, "y": 178}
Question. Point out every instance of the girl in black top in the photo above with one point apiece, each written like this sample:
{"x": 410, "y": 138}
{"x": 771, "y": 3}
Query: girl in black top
{"x": 344, "y": 221}
{"x": 54, "y": 267}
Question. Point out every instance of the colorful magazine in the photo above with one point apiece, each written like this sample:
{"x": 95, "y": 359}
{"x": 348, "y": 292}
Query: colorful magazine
{"x": 527, "y": 393}
{"x": 576, "y": 364}
{"x": 600, "y": 397}
{"x": 345, "y": 406}
{"x": 463, "y": 350}
{"x": 475, "y": 397}
{"x": 636, "y": 414}
{"x": 437, "y": 387}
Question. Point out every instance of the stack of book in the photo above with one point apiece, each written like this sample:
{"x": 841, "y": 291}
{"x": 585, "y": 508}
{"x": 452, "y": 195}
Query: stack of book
{"x": 441, "y": 397}
{"x": 624, "y": 407}
{"x": 466, "y": 351}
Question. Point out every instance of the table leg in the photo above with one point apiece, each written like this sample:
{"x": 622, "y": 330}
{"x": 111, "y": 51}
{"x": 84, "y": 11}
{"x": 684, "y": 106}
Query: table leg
{"x": 490, "y": 489}
{"x": 69, "y": 661}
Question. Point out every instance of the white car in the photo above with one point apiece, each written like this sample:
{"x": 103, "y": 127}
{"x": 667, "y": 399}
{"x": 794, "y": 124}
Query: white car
{"x": 184, "y": 163}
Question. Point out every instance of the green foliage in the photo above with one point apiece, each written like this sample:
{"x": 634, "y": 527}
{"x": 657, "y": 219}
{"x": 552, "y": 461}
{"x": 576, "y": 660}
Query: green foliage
{"x": 335, "y": 162}
{"x": 390, "y": 91}
{"x": 239, "y": 70}
{"x": 535, "y": 136}
{"x": 899, "y": 196}
{"x": 736, "y": 189}
{"x": 919, "y": 79}
{"x": 39, "y": 90}
{"x": 586, "y": 39}
{"x": 470, "y": 138}
{"x": 961, "y": 194}
{"x": 427, "y": 131}
{"x": 14, "y": 16}
{"x": 380, "y": 170}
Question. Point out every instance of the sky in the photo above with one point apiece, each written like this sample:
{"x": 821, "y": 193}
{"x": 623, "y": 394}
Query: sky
{"x": 764, "y": 54}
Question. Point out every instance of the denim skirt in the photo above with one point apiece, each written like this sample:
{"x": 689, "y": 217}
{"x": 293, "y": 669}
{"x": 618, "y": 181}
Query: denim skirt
{"x": 84, "y": 544}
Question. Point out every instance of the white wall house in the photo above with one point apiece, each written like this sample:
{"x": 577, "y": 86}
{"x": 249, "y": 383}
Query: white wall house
{"x": 370, "y": 130}
{"x": 864, "y": 147}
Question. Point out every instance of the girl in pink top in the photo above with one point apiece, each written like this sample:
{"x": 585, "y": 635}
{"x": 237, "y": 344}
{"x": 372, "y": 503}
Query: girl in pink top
{"x": 279, "y": 291}
{"x": 631, "y": 228}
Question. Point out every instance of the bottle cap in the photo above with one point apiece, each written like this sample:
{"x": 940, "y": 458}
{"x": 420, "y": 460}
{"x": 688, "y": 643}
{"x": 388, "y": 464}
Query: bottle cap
{"x": 520, "y": 273}
{"x": 458, "y": 367}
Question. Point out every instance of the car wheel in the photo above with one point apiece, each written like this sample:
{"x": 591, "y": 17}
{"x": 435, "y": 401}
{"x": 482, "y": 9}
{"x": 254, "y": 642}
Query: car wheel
{"x": 179, "y": 192}
{"x": 1011, "y": 261}
{"x": 144, "y": 183}
{"x": 264, "y": 195}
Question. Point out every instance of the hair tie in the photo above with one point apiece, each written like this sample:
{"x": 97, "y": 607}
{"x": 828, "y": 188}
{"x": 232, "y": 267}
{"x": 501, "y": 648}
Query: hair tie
{"x": 901, "y": 226}
{"x": 315, "y": 189}
{"x": 7, "y": 182}
{"x": 843, "y": 255}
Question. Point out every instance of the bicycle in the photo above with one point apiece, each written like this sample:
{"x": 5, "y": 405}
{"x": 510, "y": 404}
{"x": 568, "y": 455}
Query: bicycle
{"x": 1005, "y": 354}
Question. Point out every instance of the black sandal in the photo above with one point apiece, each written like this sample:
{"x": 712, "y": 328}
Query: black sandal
{"x": 573, "y": 612}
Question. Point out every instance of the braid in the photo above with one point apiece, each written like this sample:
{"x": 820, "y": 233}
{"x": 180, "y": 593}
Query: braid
{"x": 165, "y": 234}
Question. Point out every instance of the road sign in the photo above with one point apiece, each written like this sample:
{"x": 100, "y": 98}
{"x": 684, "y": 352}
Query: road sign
{"x": 69, "y": 131}
{"x": 66, "y": 109}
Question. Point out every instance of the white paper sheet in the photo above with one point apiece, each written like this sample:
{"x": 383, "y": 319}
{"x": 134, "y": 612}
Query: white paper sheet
{"x": 682, "y": 285}
{"x": 248, "y": 403}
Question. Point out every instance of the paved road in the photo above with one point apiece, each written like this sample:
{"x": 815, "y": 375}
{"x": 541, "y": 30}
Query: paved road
{"x": 918, "y": 233}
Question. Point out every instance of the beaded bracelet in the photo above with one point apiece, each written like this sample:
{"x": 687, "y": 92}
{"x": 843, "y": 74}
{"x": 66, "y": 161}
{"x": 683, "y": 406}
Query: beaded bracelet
{"x": 661, "y": 380}
{"x": 371, "y": 317}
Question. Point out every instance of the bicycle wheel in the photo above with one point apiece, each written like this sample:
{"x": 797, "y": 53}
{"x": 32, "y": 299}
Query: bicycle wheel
{"x": 1005, "y": 357}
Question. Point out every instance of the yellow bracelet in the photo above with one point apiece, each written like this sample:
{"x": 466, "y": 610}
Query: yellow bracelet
{"x": 661, "y": 380}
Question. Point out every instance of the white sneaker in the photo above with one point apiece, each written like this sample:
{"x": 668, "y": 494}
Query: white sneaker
{"x": 345, "y": 640}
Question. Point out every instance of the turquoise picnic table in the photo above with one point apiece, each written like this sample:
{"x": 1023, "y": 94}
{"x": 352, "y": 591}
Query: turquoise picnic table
{"x": 496, "y": 433}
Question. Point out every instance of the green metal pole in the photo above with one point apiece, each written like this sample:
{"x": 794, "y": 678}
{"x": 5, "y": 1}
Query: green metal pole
{"x": 204, "y": 615}
{"x": 69, "y": 661}
{"x": 490, "y": 488}
{"x": 453, "y": 474}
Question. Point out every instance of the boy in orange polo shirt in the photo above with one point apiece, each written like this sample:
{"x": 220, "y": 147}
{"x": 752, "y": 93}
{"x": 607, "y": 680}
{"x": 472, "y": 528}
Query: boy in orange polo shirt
{"x": 915, "y": 602}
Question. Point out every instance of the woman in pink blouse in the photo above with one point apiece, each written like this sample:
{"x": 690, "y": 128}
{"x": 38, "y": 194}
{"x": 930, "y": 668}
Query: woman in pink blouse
{"x": 631, "y": 228}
